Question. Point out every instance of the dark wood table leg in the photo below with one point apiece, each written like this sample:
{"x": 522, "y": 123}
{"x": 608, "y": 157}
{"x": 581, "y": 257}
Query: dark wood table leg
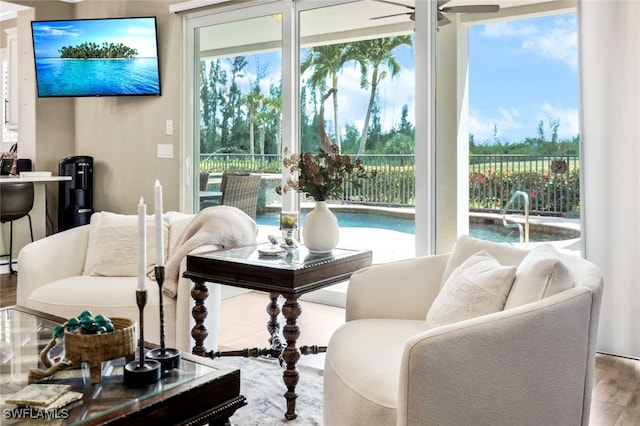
{"x": 273, "y": 326}
{"x": 199, "y": 332}
{"x": 291, "y": 354}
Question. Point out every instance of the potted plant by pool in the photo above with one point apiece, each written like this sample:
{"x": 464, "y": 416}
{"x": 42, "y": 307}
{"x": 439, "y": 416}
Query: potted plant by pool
{"x": 322, "y": 177}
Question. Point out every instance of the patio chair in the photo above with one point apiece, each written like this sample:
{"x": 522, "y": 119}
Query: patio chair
{"x": 240, "y": 190}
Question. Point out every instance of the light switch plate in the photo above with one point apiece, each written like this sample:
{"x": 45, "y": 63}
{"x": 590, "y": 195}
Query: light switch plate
{"x": 165, "y": 150}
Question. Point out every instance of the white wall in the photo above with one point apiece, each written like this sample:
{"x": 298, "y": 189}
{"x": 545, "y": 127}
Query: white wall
{"x": 609, "y": 35}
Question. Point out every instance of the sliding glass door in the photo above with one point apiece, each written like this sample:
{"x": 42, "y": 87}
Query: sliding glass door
{"x": 263, "y": 77}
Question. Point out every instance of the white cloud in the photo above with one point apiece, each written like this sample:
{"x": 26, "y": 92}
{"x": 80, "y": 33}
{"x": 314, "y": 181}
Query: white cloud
{"x": 482, "y": 126}
{"x": 559, "y": 42}
{"x": 567, "y": 119}
{"x": 555, "y": 38}
{"x": 509, "y": 29}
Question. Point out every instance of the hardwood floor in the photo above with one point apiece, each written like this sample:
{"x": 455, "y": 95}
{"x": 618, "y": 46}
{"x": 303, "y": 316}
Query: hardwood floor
{"x": 616, "y": 391}
{"x": 7, "y": 290}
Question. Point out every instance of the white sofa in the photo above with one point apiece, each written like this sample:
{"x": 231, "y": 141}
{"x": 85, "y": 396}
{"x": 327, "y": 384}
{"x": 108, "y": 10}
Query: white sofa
{"x": 62, "y": 274}
{"x": 403, "y": 358}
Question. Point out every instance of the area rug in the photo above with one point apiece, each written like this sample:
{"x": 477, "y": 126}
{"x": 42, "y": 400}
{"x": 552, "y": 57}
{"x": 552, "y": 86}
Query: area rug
{"x": 261, "y": 383}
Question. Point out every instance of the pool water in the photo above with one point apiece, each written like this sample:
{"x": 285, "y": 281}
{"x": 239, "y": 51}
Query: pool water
{"x": 350, "y": 220}
{"x": 485, "y": 231}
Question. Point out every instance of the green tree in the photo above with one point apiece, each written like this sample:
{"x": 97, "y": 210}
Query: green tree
{"x": 274, "y": 106}
{"x": 91, "y": 50}
{"x": 213, "y": 80}
{"x": 375, "y": 57}
{"x": 405, "y": 127}
{"x": 541, "y": 138}
{"x": 231, "y": 111}
{"x": 207, "y": 111}
{"x": 399, "y": 144}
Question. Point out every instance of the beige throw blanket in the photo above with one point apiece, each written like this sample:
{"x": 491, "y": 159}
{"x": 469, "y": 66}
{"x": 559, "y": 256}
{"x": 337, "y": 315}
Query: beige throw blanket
{"x": 217, "y": 225}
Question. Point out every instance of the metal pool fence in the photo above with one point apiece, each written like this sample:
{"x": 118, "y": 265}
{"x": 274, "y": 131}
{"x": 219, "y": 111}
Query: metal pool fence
{"x": 552, "y": 181}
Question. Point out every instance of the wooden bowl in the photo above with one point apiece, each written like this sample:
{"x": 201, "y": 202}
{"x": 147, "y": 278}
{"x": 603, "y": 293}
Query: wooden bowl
{"x": 96, "y": 348}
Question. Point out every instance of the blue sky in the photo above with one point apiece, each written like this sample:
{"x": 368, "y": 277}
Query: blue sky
{"x": 139, "y": 33}
{"x": 522, "y": 72}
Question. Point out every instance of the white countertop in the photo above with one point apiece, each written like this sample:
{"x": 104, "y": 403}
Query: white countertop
{"x": 10, "y": 179}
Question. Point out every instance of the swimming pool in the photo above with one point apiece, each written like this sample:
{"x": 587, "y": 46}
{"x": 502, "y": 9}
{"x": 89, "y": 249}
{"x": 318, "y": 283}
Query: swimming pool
{"x": 486, "y": 230}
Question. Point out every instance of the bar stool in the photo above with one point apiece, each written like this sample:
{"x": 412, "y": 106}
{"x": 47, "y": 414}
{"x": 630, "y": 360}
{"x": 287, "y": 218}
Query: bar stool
{"x": 16, "y": 201}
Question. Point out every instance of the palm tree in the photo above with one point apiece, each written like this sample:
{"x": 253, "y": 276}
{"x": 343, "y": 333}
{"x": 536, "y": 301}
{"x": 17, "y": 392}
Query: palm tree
{"x": 253, "y": 100}
{"x": 374, "y": 54}
{"x": 326, "y": 62}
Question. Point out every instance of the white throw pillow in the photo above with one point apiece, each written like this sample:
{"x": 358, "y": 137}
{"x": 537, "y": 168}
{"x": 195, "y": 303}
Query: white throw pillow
{"x": 466, "y": 246}
{"x": 477, "y": 287}
{"x": 540, "y": 274}
{"x": 113, "y": 245}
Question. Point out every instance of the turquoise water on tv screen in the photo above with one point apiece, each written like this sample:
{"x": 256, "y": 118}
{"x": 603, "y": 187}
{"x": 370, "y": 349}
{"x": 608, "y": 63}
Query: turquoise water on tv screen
{"x": 97, "y": 77}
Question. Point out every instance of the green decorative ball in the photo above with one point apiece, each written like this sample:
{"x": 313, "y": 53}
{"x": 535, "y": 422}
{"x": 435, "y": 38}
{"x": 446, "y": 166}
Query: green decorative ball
{"x": 87, "y": 324}
{"x": 58, "y": 331}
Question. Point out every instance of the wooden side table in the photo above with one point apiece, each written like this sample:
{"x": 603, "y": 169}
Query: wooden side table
{"x": 290, "y": 275}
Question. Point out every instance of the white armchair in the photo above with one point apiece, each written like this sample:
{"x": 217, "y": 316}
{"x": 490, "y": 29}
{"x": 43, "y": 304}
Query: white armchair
{"x": 530, "y": 361}
{"x": 85, "y": 268}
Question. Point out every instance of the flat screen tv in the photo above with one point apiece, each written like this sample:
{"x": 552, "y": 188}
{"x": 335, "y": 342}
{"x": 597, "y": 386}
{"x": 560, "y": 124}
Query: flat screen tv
{"x": 96, "y": 57}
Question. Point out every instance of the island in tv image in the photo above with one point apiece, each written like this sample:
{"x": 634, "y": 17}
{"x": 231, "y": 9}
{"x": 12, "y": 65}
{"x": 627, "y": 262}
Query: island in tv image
{"x": 96, "y": 57}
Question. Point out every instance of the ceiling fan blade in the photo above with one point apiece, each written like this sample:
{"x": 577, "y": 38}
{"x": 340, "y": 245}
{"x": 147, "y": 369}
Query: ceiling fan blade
{"x": 480, "y": 8}
{"x": 442, "y": 20}
{"x": 390, "y": 16}
{"x": 397, "y": 4}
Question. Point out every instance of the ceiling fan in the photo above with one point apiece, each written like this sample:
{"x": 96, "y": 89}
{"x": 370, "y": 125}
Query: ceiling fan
{"x": 442, "y": 19}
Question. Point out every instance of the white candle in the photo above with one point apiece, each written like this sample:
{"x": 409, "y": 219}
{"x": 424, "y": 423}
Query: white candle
{"x": 142, "y": 244}
{"x": 158, "y": 214}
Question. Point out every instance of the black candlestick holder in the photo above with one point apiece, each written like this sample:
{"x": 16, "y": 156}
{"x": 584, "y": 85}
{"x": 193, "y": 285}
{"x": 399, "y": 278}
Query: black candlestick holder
{"x": 141, "y": 371}
{"x": 168, "y": 358}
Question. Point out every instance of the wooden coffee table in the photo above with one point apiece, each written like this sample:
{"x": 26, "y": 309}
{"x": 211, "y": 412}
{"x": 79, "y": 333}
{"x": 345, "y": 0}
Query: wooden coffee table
{"x": 290, "y": 275}
{"x": 198, "y": 392}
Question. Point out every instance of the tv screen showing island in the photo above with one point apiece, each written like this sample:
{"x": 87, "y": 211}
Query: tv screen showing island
{"x": 96, "y": 57}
